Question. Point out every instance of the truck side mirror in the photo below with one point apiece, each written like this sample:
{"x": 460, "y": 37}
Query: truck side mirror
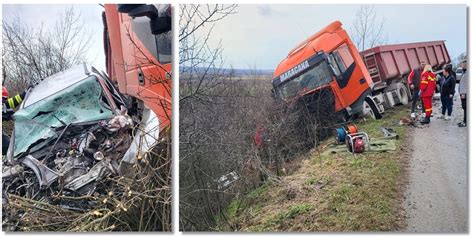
{"x": 158, "y": 24}
{"x": 126, "y": 8}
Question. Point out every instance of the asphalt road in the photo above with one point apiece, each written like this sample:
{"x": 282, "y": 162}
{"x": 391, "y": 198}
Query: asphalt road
{"x": 436, "y": 198}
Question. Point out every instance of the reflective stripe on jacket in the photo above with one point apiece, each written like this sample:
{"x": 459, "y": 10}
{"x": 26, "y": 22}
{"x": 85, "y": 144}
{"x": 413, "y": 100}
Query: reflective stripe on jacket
{"x": 10, "y": 105}
{"x": 427, "y": 84}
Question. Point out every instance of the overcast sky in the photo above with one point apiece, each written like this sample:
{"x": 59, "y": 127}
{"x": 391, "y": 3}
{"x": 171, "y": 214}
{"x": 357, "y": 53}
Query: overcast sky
{"x": 47, "y": 14}
{"x": 260, "y": 36}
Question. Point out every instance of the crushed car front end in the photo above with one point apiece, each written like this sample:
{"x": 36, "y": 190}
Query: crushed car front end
{"x": 73, "y": 143}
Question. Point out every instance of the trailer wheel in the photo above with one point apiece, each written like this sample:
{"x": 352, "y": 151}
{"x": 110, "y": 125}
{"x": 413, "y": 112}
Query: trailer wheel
{"x": 371, "y": 109}
{"x": 403, "y": 93}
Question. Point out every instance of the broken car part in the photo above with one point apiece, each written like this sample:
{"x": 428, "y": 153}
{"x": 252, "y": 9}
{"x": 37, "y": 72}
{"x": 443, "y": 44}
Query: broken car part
{"x": 45, "y": 175}
{"x": 226, "y": 180}
{"x": 145, "y": 137}
{"x": 12, "y": 171}
{"x": 97, "y": 171}
{"x": 389, "y": 133}
{"x": 119, "y": 122}
{"x": 86, "y": 141}
{"x": 98, "y": 155}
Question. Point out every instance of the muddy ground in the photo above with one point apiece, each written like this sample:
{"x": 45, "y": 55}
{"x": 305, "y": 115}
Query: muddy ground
{"x": 436, "y": 198}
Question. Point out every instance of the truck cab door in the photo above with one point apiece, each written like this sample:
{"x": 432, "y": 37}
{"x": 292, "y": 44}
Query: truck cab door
{"x": 350, "y": 81}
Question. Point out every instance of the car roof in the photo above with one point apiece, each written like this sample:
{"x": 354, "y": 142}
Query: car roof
{"x": 56, "y": 83}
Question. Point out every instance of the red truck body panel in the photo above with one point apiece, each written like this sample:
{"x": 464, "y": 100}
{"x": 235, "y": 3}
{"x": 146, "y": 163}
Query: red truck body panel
{"x": 128, "y": 60}
{"x": 388, "y": 62}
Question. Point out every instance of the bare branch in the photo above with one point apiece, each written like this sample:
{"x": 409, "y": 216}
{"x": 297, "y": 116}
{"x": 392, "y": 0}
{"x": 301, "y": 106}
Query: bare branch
{"x": 30, "y": 54}
{"x": 367, "y": 29}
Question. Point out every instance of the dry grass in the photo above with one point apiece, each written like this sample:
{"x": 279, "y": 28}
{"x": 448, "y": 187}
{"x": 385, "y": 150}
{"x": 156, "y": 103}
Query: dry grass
{"x": 139, "y": 202}
{"x": 338, "y": 192}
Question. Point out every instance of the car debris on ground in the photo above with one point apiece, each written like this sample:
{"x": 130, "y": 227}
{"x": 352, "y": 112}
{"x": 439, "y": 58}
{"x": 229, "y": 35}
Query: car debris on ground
{"x": 389, "y": 133}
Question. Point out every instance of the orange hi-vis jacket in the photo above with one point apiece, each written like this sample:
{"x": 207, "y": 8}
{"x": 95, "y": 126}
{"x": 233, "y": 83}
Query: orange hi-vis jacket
{"x": 427, "y": 84}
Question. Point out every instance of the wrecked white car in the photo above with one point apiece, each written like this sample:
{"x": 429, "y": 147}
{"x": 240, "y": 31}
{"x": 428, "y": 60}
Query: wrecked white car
{"x": 72, "y": 133}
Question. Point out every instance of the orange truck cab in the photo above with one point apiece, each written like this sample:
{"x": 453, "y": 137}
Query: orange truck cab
{"x": 326, "y": 60}
{"x": 137, "y": 42}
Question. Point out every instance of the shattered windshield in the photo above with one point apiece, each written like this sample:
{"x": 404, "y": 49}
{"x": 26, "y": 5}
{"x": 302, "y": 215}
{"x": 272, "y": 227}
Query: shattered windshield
{"x": 313, "y": 78}
{"x": 55, "y": 84}
{"x": 41, "y": 122}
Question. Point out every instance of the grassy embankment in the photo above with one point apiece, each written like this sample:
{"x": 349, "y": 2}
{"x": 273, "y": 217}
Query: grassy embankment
{"x": 332, "y": 192}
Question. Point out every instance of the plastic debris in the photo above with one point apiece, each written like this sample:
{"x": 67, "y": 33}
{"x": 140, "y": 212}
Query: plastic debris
{"x": 389, "y": 133}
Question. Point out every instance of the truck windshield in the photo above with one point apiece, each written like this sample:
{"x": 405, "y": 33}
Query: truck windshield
{"x": 158, "y": 45}
{"x": 311, "y": 79}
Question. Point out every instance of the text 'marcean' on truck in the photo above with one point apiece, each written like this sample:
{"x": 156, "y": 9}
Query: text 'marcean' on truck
{"x": 362, "y": 83}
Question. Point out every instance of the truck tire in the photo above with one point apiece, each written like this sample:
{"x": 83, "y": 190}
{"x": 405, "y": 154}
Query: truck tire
{"x": 371, "y": 109}
{"x": 402, "y": 92}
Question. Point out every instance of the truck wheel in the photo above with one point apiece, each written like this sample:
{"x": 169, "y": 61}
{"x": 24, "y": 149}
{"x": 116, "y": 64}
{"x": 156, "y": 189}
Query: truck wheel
{"x": 371, "y": 109}
{"x": 402, "y": 93}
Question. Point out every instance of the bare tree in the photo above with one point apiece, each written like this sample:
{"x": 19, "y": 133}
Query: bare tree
{"x": 198, "y": 60}
{"x": 209, "y": 119}
{"x": 368, "y": 29}
{"x": 459, "y": 59}
{"x": 31, "y": 54}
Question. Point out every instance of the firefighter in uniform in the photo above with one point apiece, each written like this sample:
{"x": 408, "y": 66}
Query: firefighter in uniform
{"x": 9, "y": 106}
{"x": 427, "y": 89}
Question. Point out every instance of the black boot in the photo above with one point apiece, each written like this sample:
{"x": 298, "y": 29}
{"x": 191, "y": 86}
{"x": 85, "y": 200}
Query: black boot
{"x": 425, "y": 120}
